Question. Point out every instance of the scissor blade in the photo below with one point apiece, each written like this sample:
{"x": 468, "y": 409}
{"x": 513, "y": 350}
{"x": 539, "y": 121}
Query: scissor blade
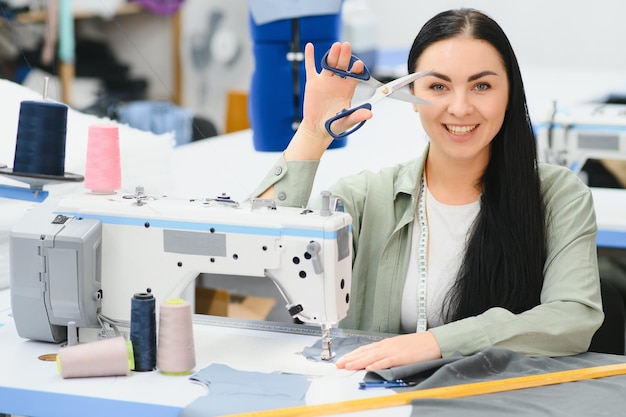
{"x": 398, "y": 83}
{"x": 404, "y": 95}
{"x": 393, "y": 88}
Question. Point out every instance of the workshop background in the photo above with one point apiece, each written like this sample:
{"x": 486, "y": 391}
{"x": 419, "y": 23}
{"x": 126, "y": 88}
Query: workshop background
{"x": 194, "y": 59}
{"x": 135, "y": 52}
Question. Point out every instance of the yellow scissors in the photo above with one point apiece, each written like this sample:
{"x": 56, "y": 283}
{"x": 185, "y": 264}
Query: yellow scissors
{"x": 392, "y": 89}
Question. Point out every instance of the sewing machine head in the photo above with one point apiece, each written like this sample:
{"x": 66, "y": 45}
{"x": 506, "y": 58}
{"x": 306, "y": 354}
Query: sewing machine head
{"x": 572, "y": 136}
{"x": 82, "y": 258}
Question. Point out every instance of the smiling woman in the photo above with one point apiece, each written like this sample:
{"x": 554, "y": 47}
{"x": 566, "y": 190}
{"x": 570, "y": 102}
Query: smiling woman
{"x": 475, "y": 243}
{"x": 467, "y": 111}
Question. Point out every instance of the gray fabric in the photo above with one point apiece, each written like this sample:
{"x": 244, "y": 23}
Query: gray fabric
{"x": 599, "y": 397}
{"x": 232, "y": 391}
{"x": 411, "y": 373}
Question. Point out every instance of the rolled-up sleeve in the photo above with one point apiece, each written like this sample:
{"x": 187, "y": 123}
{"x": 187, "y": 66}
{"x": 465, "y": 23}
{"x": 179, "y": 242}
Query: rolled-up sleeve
{"x": 292, "y": 182}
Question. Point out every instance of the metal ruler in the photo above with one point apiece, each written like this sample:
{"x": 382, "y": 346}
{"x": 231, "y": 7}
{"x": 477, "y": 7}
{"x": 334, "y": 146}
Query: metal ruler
{"x": 281, "y": 327}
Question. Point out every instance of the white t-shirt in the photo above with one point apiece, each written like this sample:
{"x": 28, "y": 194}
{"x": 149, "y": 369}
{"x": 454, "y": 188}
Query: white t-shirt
{"x": 447, "y": 232}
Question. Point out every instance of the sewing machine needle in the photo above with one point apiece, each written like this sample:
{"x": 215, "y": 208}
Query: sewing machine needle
{"x": 327, "y": 353}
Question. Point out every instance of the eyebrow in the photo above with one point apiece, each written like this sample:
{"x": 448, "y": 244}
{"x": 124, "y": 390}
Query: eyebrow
{"x": 469, "y": 79}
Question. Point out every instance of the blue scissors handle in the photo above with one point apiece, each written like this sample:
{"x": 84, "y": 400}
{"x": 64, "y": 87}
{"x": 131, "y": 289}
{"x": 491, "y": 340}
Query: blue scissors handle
{"x": 341, "y": 115}
{"x": 364, "y": 76}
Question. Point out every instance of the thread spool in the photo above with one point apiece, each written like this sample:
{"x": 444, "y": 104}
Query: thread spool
{"x": 103, "y": 174}
{"x": 40, "y": 144}
{"x": 41, "y": 137}
{"x": 176, "y": 350}
{"x": 143, "y": 331}
{"x": 107, "y": 357}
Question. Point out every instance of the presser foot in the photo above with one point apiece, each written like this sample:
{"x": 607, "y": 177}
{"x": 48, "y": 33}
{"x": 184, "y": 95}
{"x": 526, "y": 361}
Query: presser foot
{"x": 327, "y": 352}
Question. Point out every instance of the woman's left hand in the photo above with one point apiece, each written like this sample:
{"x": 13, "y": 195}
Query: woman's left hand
{"x": 394, "y": 351}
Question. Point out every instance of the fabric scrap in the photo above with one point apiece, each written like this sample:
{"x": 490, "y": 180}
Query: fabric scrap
{"x": 234, "y": 391}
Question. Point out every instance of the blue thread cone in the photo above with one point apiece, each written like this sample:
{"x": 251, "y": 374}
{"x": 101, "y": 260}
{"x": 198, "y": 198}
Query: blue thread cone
{"x": 41, "y": 135}
{"x": 143, "y": 331}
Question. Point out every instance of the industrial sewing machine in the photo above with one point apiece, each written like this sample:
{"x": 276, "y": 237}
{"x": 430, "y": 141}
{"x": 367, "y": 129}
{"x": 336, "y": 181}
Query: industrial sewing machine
{"x": 80, "y": 260}
{"x": 572, "y": 136}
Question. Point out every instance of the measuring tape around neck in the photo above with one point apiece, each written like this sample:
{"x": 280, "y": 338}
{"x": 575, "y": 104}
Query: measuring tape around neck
{"x": 422, "y": 253}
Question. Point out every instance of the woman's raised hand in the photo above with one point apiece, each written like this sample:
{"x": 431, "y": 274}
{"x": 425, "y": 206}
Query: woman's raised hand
{"x": 325, "y": 95}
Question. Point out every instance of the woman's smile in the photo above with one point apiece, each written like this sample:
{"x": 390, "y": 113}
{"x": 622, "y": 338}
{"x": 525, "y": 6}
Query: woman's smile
{"x": 460, "y": 130}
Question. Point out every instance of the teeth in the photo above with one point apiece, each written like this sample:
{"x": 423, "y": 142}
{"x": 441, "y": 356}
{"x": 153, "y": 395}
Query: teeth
{"x": 459, "y": 130}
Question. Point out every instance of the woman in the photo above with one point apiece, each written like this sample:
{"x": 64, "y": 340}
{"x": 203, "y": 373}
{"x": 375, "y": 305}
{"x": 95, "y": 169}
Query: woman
{"x": 507, "y": 245}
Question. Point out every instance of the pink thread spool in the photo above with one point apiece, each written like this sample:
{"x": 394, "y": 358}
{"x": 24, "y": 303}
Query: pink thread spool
{"x": 108, "y": 357}
{"x": 103, "y": 173}
{"x": 175, "y": 349}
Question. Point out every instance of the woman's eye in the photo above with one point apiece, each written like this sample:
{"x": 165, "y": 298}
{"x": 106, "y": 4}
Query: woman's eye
{"x": 437, "y": 87}
{"x": 482, "y": 87}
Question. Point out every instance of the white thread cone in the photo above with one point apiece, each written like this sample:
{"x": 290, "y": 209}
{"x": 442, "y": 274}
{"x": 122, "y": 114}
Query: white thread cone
{"x": 108, "y": 357}
{"x": 175, "y": 348}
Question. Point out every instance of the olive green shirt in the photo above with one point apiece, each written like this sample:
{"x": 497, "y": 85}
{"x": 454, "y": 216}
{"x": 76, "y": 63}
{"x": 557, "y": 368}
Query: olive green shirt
{"x": 382, "y": 205}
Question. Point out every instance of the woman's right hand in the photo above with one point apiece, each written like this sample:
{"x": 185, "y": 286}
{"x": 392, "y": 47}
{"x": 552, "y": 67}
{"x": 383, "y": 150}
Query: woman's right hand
{"x": 325, "y": 95}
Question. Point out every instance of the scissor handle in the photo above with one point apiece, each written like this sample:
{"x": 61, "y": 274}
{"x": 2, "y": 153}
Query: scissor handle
{"x": 364, "y": 76}
{"x": 341, "y": 115}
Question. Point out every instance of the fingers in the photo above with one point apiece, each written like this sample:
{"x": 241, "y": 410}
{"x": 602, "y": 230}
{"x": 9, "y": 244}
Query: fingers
{"x": 360, "y": 358}
{"x": 309, "y": 61}
{"x": 345, "y": 55}
{"x": 394, "y": 351}
{"x": 339, "y": 56}
{"x": 332, "y": 59}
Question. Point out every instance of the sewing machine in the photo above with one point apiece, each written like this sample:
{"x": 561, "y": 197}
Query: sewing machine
{"x": 574, "y": 135}
{"x": 79, "y": 260}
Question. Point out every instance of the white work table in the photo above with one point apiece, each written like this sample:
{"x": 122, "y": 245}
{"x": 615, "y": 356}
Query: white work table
{"x": 33, "y": 387}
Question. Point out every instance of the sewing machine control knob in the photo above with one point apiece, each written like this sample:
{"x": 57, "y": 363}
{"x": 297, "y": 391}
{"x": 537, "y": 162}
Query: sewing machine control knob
{"x": 140, "y": 196}
{"x": 330, "y": 205}
{"x": 325, "y": 210}
{"x": 295, "y": 310}
{"x": 60, "y": 219}
{"x": 314, "y": 248}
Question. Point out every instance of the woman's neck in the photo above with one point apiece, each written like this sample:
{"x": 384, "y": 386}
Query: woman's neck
{"x": 455, "y": 183}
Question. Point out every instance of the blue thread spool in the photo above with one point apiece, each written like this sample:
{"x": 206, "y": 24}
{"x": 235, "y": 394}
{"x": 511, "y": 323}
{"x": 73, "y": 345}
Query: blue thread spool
{"x": 41, "y": 136}
{"x": 143, "y": 330}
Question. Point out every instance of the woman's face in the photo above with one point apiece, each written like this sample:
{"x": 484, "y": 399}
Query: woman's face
{"x": 469, "y": 91}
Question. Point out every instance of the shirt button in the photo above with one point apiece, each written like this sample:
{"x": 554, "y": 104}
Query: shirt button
{"x": 278, "y": 171}
{"x": 282, "y": 196}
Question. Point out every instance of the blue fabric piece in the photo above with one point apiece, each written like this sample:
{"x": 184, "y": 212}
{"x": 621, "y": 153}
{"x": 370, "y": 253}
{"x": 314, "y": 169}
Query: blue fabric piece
{"x": 233, "y": 391}
{"x": 265, "y": 11}
{"x": 158, "y": 117}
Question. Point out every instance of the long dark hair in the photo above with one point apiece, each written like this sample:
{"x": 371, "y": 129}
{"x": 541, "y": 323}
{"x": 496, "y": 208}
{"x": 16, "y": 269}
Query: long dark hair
{"x": 506, "y": 249}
